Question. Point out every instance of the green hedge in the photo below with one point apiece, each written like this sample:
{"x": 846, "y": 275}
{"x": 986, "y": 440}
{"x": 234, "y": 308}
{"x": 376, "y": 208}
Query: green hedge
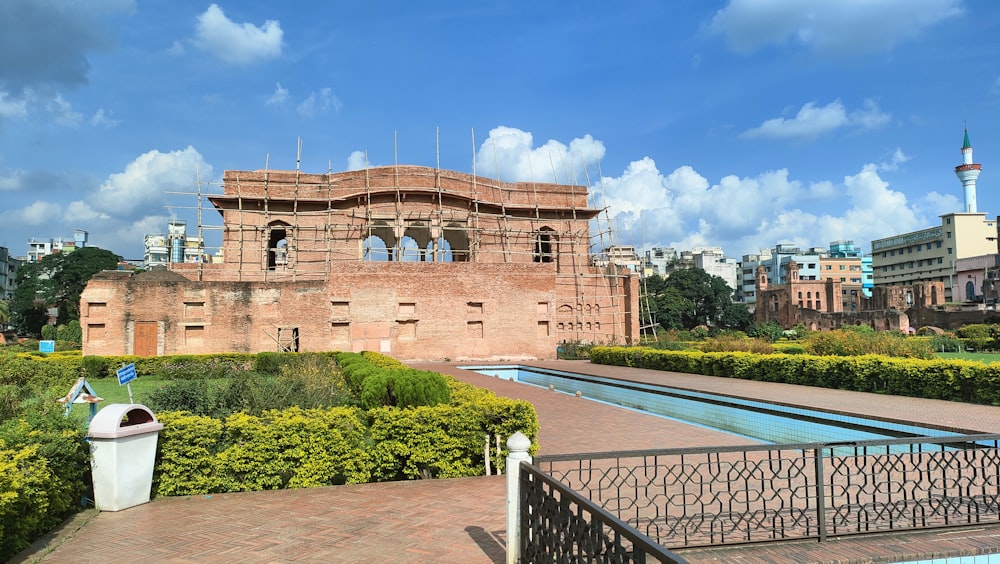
{"x": 306, "y": 448}
{"x": 42, "y": 466}
{"x": 952, "y": 380}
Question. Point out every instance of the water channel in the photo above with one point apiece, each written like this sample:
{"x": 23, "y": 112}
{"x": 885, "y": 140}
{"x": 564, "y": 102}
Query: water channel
{"x": 762, "y": 421}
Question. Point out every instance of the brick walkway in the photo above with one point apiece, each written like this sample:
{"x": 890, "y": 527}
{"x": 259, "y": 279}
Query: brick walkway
{"x": 463, "y": 520}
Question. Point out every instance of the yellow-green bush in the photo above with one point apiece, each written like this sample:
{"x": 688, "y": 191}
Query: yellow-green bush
{"x": 42, "y": 462}
{"x": 292, "y": 448}
{"x": 934, "y": 379}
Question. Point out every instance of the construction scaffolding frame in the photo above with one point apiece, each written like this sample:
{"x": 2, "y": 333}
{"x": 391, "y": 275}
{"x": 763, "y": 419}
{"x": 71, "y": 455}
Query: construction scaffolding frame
{"x": 495, "y": 221}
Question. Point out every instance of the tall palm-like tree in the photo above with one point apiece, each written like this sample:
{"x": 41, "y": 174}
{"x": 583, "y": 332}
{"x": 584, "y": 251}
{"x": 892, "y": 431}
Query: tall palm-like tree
{"x": 4, "y": 313}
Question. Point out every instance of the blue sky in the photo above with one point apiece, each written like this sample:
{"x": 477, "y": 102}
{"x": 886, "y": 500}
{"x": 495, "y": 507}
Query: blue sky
{"x": 732, "y": 123}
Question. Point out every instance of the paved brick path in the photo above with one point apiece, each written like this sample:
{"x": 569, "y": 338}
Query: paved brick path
{"x": 463, "y": 520}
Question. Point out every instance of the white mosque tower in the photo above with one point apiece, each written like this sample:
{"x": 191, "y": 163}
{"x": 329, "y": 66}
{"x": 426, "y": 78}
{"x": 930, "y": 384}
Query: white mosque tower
{"x": 968, "y": 172}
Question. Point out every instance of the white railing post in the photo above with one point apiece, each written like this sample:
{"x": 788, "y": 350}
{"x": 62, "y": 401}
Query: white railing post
{"x": 518, "y": 445}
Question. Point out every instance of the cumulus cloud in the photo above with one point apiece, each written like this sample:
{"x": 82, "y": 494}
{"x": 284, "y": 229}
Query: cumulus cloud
{"x": 357, "y": 160}
{"x": 509, "y": 154}
{"x": 812, "y": 121}
{"x": 36, "y": 213}
{"x": 318, "y": 102}
{"x": 139, "y": 189}
{"x": 236, "y": 43}
{"x": 683, "y": 209}
{"x": 828, "y": 26}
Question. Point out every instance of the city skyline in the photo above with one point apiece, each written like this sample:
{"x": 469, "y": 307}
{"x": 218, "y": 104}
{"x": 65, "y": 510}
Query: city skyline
{"x": 739, "y": 124}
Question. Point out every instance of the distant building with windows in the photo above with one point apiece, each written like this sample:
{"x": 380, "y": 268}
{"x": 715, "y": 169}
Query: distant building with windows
{"x": 933, "y": 254}
{"x": 41, "y": 248}
{"x": 660, "y": 260}
{"x": 176, "y": 246}
{"x": 846, "y": 264}
{"x": 8, "y": 273}
{"x": 775, "y": 263}
{"x": 930, "y": 255}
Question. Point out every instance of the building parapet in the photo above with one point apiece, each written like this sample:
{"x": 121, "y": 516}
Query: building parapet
{"x": 908, "y": 238}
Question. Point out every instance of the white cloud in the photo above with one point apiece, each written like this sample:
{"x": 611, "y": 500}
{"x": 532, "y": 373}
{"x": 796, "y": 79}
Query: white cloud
{"x": 103, "y": 119}
{"x": 234, "y": 43}
{"x": 357, "y": 160}
{"x": 139, "y": 189}
{"x": 745, "y": 214}
{"x": 318, "y": 103}
{"x": 12, "y": 180}
{"x": 279, "y": 96}
{"x": 11, "y": 107}
{"x": 508, "y": 153}
{"x": 894, "y": 161}
{"x": 829, "y": 26}
{"x": 62, "y": 112}
{"x": 812, "y": 121}
{"x": 37, "y": 213}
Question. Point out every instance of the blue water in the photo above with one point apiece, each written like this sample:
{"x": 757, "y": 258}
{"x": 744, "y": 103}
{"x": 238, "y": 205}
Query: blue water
{"x": 767, "y": 422}
{"x": 983, "y": 559}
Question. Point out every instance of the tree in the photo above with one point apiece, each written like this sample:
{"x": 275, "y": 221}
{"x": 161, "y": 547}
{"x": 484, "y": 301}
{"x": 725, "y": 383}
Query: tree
{"x": 4, "y": 313}
{"x": 691, "y": 297}
{"x": 56, "y": 281}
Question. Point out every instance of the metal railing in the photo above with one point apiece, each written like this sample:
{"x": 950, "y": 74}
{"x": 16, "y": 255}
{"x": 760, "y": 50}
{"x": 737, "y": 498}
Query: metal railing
{"x": 727, "y": 495}
{"x": 559, "y": 525}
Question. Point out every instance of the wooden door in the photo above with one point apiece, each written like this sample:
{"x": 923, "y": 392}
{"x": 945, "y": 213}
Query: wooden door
{"x": 144, "y": 338}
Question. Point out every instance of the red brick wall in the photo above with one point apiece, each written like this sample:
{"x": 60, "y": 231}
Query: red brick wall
{"x": 500, "y": 302}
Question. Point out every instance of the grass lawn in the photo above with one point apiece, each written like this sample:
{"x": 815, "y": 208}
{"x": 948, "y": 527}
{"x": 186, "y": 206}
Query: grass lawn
{"x": 109, "y": 389}
{"x": 985, "y": 358}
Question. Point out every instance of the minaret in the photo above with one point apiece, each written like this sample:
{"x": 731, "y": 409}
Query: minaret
{"x": 968, "y": 172}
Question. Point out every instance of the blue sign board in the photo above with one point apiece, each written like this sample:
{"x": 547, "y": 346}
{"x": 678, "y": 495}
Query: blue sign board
{"x": 46, "y": 346}
{"x": 126, "y": 374}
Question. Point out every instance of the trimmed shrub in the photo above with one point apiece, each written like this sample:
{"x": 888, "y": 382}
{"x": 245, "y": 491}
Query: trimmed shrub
{"x": 43, "y": 459}
{"x": 404, "y": 388}
{"x": 934, "y": 379}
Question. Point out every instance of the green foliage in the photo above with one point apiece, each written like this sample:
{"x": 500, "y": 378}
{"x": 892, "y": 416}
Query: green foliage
{"x": 42, "y": 462}
{"x": 769, "y": 331}
{"x": 293, "y": 448}
{"x": 95, "y": 367}
{"x": 404, "y": 387}
{"x": 70, "y": 333}
{"x": 185, "y": 459}
{"x": 980, "y": 337}
{"x": 573, "y": 350}
{"x": 57, "y": 280}
{"x": 934, "y": 379}
{"x": 307, "y": 381}
{"x": 861, "y": 339}
{"x": 725, "y": 343}
{"x": 689, "y": 298}
{"x": 49, "y": 332}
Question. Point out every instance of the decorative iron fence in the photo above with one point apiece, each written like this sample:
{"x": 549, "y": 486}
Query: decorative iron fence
{"x": 727, "y": 495}
{"x": 560, "y": 525}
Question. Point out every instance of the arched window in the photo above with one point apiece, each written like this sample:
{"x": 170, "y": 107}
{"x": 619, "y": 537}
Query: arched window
{"x": 444, "y": 253}
{"x": 409, "y": 250}
{"x": 378, "y": 243}
{"x": 970, "y": 291}
{"x": 375, "y": 249}
{"x": 277, "y": 246}
{"x": 458, "y": 242}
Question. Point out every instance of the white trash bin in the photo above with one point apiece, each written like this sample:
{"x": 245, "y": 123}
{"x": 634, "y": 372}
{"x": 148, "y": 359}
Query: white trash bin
{"x": 122, "y": 453}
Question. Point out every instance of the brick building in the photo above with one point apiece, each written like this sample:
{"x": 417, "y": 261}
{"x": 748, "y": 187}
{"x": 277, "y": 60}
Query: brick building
{"x": 415, "y": 262}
